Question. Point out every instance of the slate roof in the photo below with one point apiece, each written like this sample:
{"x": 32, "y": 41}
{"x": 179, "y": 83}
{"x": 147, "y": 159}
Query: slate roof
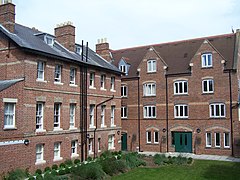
{"x": 4, "y": 84}
{"x": 33, "y": 40}
{"x": 177, "y": 55}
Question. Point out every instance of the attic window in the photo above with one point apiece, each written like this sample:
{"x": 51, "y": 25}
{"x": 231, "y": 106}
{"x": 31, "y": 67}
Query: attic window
{"x": 78, "y": 50}
{"x": 49, "y": 40}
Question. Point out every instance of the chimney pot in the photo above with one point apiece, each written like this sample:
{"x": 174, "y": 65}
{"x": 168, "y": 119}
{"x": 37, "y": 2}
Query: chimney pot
{"x": 102, "y": 48}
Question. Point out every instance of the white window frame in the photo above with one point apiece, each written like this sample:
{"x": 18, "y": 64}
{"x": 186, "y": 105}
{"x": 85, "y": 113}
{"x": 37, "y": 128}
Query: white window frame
{"x": 208, "y": 144}
{"x": 124, "y": 91}
{"x": 57, "y": 151}
{"x": 9, "y": 117}
{"x": 112, "y": 83}
{"x": 103, "y": 81}
{"x": 103, "y": 108}
{"x": 123, "y": 68}
{"x": 216, "y": 139}
{"x": 40, "y": 153}
{"x": 57, "y": 115}
{"x": 90, "y": 146}
{"x": 177, "y": 111}
{"x": 78, "y": 50}
{"x": 112, "y": 116}
{"x": 213, "y": 110}
{"x": 180, "y": 85}
{"x": 91, "y": 79}
{"x": 151, "y": 66}
{"x": 226, "y": 146}
{"x": 208, "y": 86}
{"x": 39, "y": 116}
{"x": 149, "y": 89}
{"x": 148, "y": 135}
{"x": 111, "y": 142}
{"x": 58, "y": 73}
{"x": 49, "y": 40}
{"x": 149, "y": 111}
{"x": 91, "y": 115}
{"x": 74, "y": 145}
{"x": 156, "y": 133}
{"x": 124, "y": 112}
{"x": 40, "y": 70}
{"x": 72, "y": 114}
{"x": 206, "y": 62}
{"x": 72, "y": 76}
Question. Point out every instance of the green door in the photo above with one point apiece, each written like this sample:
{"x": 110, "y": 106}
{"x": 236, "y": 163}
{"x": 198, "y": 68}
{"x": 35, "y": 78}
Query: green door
{"x": 183, "y": 141}
{"x": 124, "y": 142}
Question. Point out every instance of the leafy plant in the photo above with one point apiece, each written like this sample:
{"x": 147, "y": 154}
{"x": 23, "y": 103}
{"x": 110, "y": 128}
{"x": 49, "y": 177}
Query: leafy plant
{"x": 47, "y": 169}
{"x": 62, "y": 165}
{"x": 68, "y": 162}
{"x": 77, "y": 161}
{"x": 16, "y": 175}
{"x": 38, "y": 171}
{"x": 55, "y": 166}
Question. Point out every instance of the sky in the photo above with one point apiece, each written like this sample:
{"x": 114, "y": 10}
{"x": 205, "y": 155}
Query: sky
{"x": 130, "y": 23}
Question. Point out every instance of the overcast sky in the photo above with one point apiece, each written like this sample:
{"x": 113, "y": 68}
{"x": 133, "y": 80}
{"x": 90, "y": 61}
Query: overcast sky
{"x": 128, "y": 23}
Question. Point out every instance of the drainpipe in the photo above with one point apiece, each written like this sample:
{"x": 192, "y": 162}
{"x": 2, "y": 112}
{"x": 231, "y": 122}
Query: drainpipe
{"x": 97, "y": 121}
{"x": 231, "y": 118}
{"x": 139, "y": 125}
{"x": 167, "y": 109}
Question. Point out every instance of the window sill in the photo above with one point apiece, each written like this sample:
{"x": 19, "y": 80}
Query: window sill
{"x": 149, "y": 118}
{"x": 9, "y": 128}
{"x": 74, "y": 155}
{"x": 57, "y": 159}
{"x": 207, "y": 93}
{"x": 113, "y": 125}
{"x": 148, "y": 143}
{"x": 40, "y": 130}
{"x": 103, "y": 126}
{"x": 124, "y": 118}
{"x": 112, "y": 90}
{"x": 92, "y": 127}
{"x": 113, "y": 148}
{"x": 178, "y": 118}
{"x": 57, "y": 129}
{"x": 146, "y": 96}
{"x": 90, "y": 152}
{"x": 99, "y": 151}
{"x": 227, "y": 147}
{"x": 73, "y": 128}
{"x": 103, "y": 89}
{"x": 207, "y": 67}
{"x": 41, "y": 80}
{"x": 151, "y": 72}
{"x": 73, "y": 85}
{"x": 92, "y": 87}
{"x": 208, "y": 147}
{"x": 124, "y": 97}
{"x": 156, "y": 143}
{"x": 217, "y": 118}
{"x": 40, "y": 162}
{"x": 185, "y": 94}
{"x": 58, "y": 83}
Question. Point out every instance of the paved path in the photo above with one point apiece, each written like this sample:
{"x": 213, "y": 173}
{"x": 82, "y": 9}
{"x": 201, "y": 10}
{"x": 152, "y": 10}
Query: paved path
{"x": 194, "y": 156}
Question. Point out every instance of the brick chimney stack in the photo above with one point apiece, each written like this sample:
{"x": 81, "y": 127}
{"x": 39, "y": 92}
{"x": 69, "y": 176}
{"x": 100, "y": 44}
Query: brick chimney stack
{"x": 65, "y": 35}
{"x": 7, "y": 15}
{"x": 102, "y": 49}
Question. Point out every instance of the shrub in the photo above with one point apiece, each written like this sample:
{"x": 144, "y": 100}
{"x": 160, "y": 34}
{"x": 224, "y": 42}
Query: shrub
{"x": 68, "y": 162}
{"x": 39, "y": 177}
{"x": 181, "y": 160}
{"x": 189, "y": 160}
{"x": 47, "y": 169}
{"x": 133, "y": 160}
{"x": 106, "y": 154}
{"x": 54, "y": 172}
{"x": 49, "y": 176}
{"x": 160, "y": 159}
{"x": 55, "y": 166}
{"x": 38, "y": 171}
{"x": 110, "y": 166}
{"x": 16, "y": 175}
{"x": 62, "y": 165}
{"x": 31, "y": 178}
{"x": 67, "y": 170}
{"x": 89, "y": 171}
{"x": 89, "y": 159}
{"x": 121, "y": 166}
{"x": 77, "y": 161}
{"x": 119, "y": 156}
{"x": 61, "y": 172}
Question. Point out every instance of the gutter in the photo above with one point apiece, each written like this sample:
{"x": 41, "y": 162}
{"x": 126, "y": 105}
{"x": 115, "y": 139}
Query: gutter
{"x": 231, "y": 116}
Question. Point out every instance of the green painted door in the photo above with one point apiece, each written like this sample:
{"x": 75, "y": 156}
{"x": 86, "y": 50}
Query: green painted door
{"x": 183, "y": 141}
{"x": 124, "y": 142}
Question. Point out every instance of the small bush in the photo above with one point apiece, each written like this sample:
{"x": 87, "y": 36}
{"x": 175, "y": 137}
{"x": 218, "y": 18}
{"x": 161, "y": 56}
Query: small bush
{"x": 110, "y": 166}
{"x": 77, "y": 161}
{"x": 119, "y": 156}
{"x": 106, "y": 154}
{"x": 54, "y": 172}
{"x": 133, "y": 160}
{"x": 189, "y": 160}
{"x": 16, "y": 175}
{"x": 39, "y": 177}
{"x": 121, "y": 166}
{"x": 160, "y": 159}
{"x": 31, "y": 178}
{"x": 62, "y": 165}
{"x": 49, "y": 176}
{"x": 55, "y": 166}
{"x": 38, "y": 171}
{"x": 47, "y": 169}
{"x": 67, "y": 170}
{"x": 89, "y": 159}
{"x": 68, "y": 162}
{"x": 62, "y": 172}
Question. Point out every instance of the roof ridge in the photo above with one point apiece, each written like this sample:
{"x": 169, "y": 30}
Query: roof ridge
{"x": 174, "y": 42}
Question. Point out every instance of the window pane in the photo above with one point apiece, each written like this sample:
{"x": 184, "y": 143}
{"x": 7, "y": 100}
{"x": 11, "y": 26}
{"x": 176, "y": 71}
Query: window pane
{"x": 222, "y": 110}
{"x": 217, "y": 110}
{"x": 210, "y": 85}
{"x": 226, "y": 140}
{"x": 217, "y": 136}
{"x": 176, "y": 88}
{"x": 156, "y": 136}
{"x": 205, "y": 86}
{"x": 185, "y": 87}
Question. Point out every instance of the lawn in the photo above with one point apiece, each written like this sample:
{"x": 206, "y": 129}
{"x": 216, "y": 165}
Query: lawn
{"x": 200, "y": 169}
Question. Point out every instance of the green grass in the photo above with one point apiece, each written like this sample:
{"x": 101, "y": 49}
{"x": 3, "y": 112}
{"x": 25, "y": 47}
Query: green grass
{"x": 201, "y": 169}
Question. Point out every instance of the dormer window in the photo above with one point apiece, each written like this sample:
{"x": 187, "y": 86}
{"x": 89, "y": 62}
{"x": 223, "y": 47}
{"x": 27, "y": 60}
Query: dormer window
{"x": 49, "y": 40}
{"x": 151, "y": 66}
{"x": 78, "y": 50}
{"x": 123, "y": 68}
{"x": 207, "y": 60}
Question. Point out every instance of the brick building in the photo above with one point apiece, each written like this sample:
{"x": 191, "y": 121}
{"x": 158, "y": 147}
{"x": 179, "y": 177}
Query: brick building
{"x": 180, "y": 96}
{"x": 58, "y": 99}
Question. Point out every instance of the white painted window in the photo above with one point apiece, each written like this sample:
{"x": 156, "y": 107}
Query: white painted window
{"x": 217, "y": 110}
{"x": 181, "y": 111}
{"x": 112, "y": 115}
{"x": 149, "y": 111}
{"x": 91, "y": 114}
{"x": 112, "y": 83}
{"x": 149, "y": 136}
{"x": 90, "y": 146}
{"x": 151, "y": 66}
{"x": 124, "y": 112}
{"x": 111, "y": 142}
{"x": 74, "y": 147}
{"x": 49, "y": 40}
{"x": 58, "y": 72}
{"x": 40, "y": 70}
{"x": 149, "y": 89}
{"x": 226, "y": 140}
{"x": 57, "y": 115}
{"x": 57, "y": 150}
{"x": 207, "y": 86}
{"x": 39, "y": 116}
{"x": 103, "y": 80}
{"x": 72, "y": 75}
{"x": 156, "y": 137}
{"x": 9, "y": 115}
{"x": 72, "y": 115}
{"x": 78, "y": 50}
{"x": 103, "y": 107}
{"x": 217, "y": 140}
{"x": 180, "y": 87}
{"x": 208, "y": 139}
{"x": 92, "y": 79}
{"x": 206, "y": 60}
{"x": 123, "y": 68}
{"x": 39, "y": 152}
{"x": 124, "y": 91}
